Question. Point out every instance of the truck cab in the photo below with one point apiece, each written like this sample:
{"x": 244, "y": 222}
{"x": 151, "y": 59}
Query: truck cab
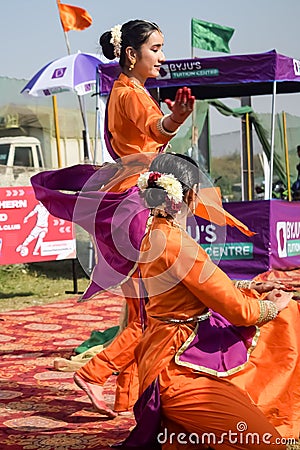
{"x": 20, "y": 158}
{"x": 21, "y": 151}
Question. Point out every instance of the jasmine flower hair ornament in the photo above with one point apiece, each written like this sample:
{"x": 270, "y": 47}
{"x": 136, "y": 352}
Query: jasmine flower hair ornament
{"x": 116, "y": 39}
{"x": 167, "y": 182}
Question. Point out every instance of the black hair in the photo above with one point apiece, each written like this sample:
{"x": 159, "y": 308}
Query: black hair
{"x": 184, "y": 168}
{"x": 133, "y": 34}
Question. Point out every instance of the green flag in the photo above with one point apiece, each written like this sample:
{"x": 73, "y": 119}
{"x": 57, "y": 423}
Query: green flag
{"x": 210, "y": 36}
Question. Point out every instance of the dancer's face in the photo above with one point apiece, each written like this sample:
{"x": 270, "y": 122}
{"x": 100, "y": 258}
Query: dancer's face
{"x": 150, "y": 57}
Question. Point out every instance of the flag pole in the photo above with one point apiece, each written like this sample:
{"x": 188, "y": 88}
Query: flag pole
{"x": 67, "y": 43}
{"x": 192, "y": 47}
{"x": 85, "y": 133}
{"x": 56, "y": 125}
{"x": 195, "y": 130}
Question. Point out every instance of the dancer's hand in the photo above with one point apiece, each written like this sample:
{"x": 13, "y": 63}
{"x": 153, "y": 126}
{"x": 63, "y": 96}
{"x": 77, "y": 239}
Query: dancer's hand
{"x": 280, "y": 298}
{"x": 182, "y": 106}
{"x": 267, "y": 286}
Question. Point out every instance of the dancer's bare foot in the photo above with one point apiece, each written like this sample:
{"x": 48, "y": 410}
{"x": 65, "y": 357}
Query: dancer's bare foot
{"x": 128, "y": 413}
{"x": 95, "y": 394}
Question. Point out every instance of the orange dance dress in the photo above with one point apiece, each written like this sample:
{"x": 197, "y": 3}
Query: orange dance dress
{"x": 132, "y": 121}
{"x": 262, "y": 395}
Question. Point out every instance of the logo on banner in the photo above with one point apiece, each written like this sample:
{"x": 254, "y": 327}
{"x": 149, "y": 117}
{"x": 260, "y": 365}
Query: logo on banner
{"x": 164, "y": 72}
{"x": 288, "y": 239}
{"x": 296, "y": 63}
{"x": 186, "y": 69}
{"x": 281, "y": 239}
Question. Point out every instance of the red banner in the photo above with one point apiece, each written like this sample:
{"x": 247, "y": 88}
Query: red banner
{"x": 28, "y": 233}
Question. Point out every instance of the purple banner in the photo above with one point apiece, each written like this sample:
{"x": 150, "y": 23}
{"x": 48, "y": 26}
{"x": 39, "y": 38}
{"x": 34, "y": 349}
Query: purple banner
{"x": 285, "y": 235}
{"x": 240, "y": 256}
{"x": 276, "y": 244}
{"x": 253, "y": 73}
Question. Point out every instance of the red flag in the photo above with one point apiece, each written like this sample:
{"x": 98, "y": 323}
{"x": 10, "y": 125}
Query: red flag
{"x": 73, "y": 17}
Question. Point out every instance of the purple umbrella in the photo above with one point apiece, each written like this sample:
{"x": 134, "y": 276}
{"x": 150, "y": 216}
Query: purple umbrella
{"x": 72, "y": 73}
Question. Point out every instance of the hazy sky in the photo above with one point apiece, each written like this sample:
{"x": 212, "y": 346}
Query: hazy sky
{"x": 31, "y": 33}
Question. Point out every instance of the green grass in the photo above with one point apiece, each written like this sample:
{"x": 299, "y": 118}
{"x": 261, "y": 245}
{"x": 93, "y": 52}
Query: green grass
{"x": 23, "y": 285}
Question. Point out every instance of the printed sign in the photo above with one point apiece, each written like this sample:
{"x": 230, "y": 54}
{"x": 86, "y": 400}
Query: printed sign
{"x": 28, "y": 233}
{"x": 285, "y": 235}
{"x": 296, "y": 64}
{"x": 276, "y": 244}
{"x": 229, "y": 251}
{"x": 186, "y": 69}
{"x": 238, "y": 255}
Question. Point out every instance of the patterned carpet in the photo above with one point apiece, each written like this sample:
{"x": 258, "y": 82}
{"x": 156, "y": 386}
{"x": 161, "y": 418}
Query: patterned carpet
{"x": 41, "y": 408}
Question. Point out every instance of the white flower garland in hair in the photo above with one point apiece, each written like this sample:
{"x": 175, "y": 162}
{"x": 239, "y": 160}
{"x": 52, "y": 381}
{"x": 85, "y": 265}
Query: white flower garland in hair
{"x": 167, "y": 181}
{"x": 116, "y": 39}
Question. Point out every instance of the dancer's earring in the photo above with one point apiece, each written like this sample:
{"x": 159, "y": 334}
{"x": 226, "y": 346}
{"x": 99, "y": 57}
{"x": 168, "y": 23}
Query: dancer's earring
{"x": 132, "y": 64}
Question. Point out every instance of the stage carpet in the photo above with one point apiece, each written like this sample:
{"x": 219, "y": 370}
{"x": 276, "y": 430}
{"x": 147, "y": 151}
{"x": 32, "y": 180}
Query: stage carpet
{"x": 41, "y": 408}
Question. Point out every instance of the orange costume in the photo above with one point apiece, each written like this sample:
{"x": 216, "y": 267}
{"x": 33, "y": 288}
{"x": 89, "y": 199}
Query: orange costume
{"x": 262, "y": 395}
{"x": 135, "y": 136}
{"x": 132, "y": 121}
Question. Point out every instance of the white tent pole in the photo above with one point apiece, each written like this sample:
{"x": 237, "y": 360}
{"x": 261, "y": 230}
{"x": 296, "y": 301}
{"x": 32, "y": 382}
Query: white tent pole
{"x": 100, "y": 119}
{"x": 272, "y": 140}
{"x": 266, "y": 169}
{"x": 97, "y": 118}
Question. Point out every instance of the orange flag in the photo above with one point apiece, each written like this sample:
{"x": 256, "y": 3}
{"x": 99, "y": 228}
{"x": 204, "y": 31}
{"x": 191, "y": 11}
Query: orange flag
{"x": 210, "y": 208}
{"x": 73, "y": 17}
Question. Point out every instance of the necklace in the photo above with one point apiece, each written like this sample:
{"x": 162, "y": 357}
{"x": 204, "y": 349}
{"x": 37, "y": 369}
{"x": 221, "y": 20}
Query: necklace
{"x": 177, "y": 224}
{"x": 139, "y": 86}
{"x": 171, "y": 220}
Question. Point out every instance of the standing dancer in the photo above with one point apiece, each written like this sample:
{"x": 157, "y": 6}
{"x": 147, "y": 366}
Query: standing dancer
{"x": 134, "y": 125}
{"x": 108, "y": 201}
{"x": 136, "y": 131}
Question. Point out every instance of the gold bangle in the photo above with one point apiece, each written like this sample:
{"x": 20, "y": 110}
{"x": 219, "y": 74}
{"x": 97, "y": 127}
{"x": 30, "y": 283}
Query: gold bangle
{"x": 162, "y": 129}
{"x": 268, "y": 311}
{"x": 243, "y": 284}
{"x": 272, "y": 310}
{"x": 263, "y": 310}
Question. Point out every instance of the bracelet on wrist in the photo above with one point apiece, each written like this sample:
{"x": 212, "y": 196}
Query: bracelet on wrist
{"x": 161, "y": 128}
{"x": 268, "y": 311}
{"x": 243, "y": 284}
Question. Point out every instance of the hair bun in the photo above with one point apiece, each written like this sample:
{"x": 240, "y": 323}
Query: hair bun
{"x": 106, "y": 45}
{"x": 154, "y": 196}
